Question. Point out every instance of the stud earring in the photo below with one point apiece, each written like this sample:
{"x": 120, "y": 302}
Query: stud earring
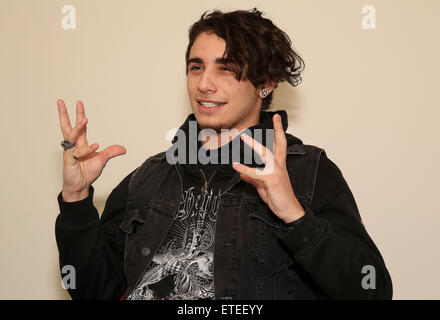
{"x": 264, "y": 92}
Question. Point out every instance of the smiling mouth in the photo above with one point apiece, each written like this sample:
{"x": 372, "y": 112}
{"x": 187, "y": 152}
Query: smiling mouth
{"x": 210, "y": 106}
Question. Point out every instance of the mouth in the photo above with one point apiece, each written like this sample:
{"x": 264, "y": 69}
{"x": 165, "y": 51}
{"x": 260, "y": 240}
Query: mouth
{"x": 210, "y": 106}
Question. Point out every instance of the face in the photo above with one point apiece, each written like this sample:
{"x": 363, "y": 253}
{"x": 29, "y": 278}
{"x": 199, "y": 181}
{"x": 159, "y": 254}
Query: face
{"x": 218, "y": 99}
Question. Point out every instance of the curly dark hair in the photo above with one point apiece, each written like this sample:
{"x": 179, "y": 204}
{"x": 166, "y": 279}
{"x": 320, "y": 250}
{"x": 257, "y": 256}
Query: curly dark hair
{"x": 258, "y": 49}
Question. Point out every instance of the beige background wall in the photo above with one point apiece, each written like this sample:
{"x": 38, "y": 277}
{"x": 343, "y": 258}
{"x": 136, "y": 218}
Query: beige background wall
{"x": 369, "y": 97}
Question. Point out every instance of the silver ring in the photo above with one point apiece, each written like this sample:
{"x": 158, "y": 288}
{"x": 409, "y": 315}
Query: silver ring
{"x": 74, "y": 155}
{"x": 66, "y": 144}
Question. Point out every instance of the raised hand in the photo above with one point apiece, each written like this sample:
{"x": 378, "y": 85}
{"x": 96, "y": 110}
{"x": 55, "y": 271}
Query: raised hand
{"x": 273, "y": 182}
{"x": 82, "y": 165}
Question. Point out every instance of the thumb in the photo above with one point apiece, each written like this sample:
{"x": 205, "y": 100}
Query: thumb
{"x": 246, "y": 178}
{"x": 112, "y": 151}
{"x": 256, "y": 183}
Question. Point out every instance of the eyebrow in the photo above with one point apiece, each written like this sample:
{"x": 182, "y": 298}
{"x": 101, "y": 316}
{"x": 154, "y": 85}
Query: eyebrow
{"x": 199, "y": 60}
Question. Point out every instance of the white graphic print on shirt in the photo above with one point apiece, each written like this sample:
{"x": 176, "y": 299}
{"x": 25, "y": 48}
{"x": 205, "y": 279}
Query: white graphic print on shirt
{"x": 183, "y": 268}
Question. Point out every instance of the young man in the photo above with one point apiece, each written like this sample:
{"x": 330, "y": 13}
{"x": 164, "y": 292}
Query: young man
{"x": 283, "y": 225}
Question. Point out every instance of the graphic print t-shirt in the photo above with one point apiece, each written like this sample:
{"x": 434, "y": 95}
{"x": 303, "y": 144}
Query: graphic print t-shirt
{"x": 183, "y": 267}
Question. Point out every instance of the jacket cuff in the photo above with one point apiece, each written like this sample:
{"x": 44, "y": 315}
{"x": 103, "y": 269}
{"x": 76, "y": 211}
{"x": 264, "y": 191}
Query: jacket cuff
{"x": 77, "y": 213}
{"x": 291, "y": 225}
{"x": 305, "y": 235}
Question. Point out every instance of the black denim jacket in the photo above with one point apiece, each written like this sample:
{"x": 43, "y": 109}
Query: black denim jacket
{"x": 256, "y": 255}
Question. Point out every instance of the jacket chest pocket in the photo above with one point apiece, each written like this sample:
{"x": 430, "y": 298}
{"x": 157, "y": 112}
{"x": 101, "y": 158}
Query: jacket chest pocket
{"x": 133, "y": 225}
{"x": 134, "y": 217}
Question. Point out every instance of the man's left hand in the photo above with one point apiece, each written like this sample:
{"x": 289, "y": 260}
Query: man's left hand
{"x": 273, "y": 182}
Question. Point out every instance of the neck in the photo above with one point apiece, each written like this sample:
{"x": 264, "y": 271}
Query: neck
{"x": 218, "y": 140}
{"x": 211, "y": 139}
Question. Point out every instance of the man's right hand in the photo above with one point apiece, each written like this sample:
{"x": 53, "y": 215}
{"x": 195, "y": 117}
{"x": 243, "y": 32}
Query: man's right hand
{"x": 79, "y": 174}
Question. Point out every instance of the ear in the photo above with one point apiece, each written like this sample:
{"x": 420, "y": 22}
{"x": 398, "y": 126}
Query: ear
{"x": 269, "y": 86}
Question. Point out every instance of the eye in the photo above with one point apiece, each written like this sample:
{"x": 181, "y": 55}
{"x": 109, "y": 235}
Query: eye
{"x": 194, "y": 68}
{"x": 226, "y": 69}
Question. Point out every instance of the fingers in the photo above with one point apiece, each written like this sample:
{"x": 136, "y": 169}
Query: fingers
{"x": 112, "y": 151}
{"x": 75, "y": 132}
{"x": 269, "y": 158}
{"x": 81, "y": 116}
{"x": 79, "y": 152}
{"x": 65, "y": 125}
{"x": 78, "y": 133}
{"x": 264, "y": 153}
{"x": 80, "y": 113}
{"x": 256, "y": 183}
{"x": 280, "y": 146}
{"x": 247, "y": 171}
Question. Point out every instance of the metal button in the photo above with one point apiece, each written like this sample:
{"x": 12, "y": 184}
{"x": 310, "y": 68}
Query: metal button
{"x": 146, "y": 251}
{"x": 172, "y": 203}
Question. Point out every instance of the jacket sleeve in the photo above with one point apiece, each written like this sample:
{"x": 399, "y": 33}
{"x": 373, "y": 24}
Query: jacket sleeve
{"x": 93, "y": 246}
{"x": 332, "y": 245}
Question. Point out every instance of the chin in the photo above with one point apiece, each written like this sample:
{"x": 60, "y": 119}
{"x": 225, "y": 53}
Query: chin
{"x": 214, "y": 123}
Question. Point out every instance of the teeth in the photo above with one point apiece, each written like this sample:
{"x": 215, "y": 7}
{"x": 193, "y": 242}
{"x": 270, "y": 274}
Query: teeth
{"x": 210, "y": 104}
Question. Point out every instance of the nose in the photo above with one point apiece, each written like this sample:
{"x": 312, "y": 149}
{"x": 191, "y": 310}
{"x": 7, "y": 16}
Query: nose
{"x": 207, "y": 82}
